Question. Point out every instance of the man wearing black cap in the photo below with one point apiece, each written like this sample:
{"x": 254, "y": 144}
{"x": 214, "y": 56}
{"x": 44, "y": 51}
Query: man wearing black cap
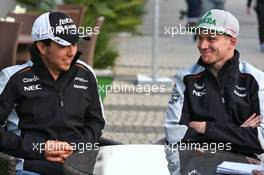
{"x": 56, "y": 99}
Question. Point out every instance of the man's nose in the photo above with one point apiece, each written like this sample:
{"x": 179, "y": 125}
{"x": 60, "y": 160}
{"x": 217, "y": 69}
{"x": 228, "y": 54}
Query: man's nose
{"x": 203, "y": 44}
{"x": 72, "y": 49}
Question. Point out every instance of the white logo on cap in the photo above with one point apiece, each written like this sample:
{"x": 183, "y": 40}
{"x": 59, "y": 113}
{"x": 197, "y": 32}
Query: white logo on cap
{"x": 59, "y": 29}
{"x": 65, "y": 21}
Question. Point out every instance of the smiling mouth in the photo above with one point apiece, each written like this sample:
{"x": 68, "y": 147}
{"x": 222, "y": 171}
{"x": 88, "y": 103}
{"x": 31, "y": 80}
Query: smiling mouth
{"x": 205, "y": 52}
{"x": 68, "y": 61}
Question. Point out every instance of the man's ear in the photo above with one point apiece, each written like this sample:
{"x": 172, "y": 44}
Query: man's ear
{"x": 233, "y": 42}
{"x": 41, "y": 47}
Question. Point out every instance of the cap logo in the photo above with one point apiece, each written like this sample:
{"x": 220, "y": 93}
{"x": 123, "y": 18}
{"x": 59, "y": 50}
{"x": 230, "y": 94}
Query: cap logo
{"x": 65, "y": 21}
{"x": 208, "y": 20}
{"x": 57, "y": 39}
{"x": 65, "y": 26}
{"x": 208, "y": 14}
{"x": 59, "y": 29}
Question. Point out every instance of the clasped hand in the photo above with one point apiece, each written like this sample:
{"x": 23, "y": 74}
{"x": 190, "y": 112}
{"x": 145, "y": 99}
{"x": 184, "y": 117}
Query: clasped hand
{"x": 57, "y": 151}
{"x": 253, "y": 121}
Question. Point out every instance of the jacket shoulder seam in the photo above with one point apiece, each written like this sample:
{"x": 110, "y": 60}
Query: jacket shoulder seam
{"x": 22, "y": 71}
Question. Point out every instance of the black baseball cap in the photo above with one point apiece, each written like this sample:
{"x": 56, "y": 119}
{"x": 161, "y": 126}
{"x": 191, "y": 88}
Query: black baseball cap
{"x": 58, "y": 27}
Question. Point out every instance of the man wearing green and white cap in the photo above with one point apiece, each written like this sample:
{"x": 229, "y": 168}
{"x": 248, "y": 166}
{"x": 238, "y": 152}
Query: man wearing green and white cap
{"x": 220, "y": 99}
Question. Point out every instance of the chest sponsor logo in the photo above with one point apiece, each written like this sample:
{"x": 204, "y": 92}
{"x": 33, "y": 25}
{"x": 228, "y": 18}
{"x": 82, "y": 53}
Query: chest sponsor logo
{"x": 199, "y": 93}
{"x": 32, "y": 87}
{"x": 199, "y": 90}
{"x": 199, "y": 86}
{"x": 29, "y": 80}
{"x": 80, "y": 86}
{"x": 80, "y": 79}
{"x": 240, "y": 91}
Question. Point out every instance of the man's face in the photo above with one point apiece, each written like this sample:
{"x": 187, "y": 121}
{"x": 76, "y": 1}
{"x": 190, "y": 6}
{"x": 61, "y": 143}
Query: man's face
{"x": 58, "y": 58}
{"x": 215, "y": 48}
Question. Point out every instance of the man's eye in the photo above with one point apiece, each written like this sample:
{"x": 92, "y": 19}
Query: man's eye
{"x": 61, "y": 46}
{"x": 212, "y": 38}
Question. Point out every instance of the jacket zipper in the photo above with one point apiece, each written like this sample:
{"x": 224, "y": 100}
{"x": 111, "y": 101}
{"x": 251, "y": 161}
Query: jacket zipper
{"x": 61, "y": 100}
{"x": 222, "y": 96}
{"x": 59, "y": 89}
{"x": 220, "y": 88}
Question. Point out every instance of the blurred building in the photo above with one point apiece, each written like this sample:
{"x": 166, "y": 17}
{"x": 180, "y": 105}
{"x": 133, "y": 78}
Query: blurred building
{"x": 6, "y": 6}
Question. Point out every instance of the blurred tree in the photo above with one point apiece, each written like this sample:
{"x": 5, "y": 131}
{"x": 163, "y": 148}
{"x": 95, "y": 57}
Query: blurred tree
{"x": 41, "y": 5}
{"x": 120, "y": 15}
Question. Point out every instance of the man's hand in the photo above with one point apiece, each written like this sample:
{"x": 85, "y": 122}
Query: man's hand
{"x": 253, "y": 121}
{"x": 256, "y": 172}
{"x": 252, "y": 160}
{"x": 198, "y": 126}
{"x": 57, "y": 151}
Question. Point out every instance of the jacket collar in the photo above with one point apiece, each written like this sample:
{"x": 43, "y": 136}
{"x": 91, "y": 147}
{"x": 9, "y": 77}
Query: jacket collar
{"x": 43, "y": 73}
{"x": 230, "y": 66}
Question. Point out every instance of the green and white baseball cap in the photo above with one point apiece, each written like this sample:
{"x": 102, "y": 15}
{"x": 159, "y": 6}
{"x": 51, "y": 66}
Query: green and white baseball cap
{"x": 220, "y": 21}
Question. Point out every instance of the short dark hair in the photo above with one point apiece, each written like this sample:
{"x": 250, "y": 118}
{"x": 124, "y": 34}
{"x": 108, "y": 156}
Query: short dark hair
{"x": 34, "y": 52}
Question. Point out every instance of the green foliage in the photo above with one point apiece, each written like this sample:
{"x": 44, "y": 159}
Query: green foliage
{"x": 120, "y": 15}
{"x": 103, "y": 82}
{"x": 41, "y": 5}
{"x": 105, "y": 55}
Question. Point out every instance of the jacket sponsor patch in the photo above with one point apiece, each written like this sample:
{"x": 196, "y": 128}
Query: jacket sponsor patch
{"x": 199, "y": 93}
{"x": 240, "y": 91}
{"x": 174, "y": 96}
{"x": 80, "y": 79}
{"x": 34, "y": 87}
{"x": 199, "y": 86}
{"x": 29, "y": 80}
{"x": 80, "y": 86}
{"x": 199, "y": 90}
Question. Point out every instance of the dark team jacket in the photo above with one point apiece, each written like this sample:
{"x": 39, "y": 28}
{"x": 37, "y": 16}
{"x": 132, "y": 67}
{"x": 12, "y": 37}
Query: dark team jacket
{"x": 224, "y": 103}
{"x": 68, "y": 109}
